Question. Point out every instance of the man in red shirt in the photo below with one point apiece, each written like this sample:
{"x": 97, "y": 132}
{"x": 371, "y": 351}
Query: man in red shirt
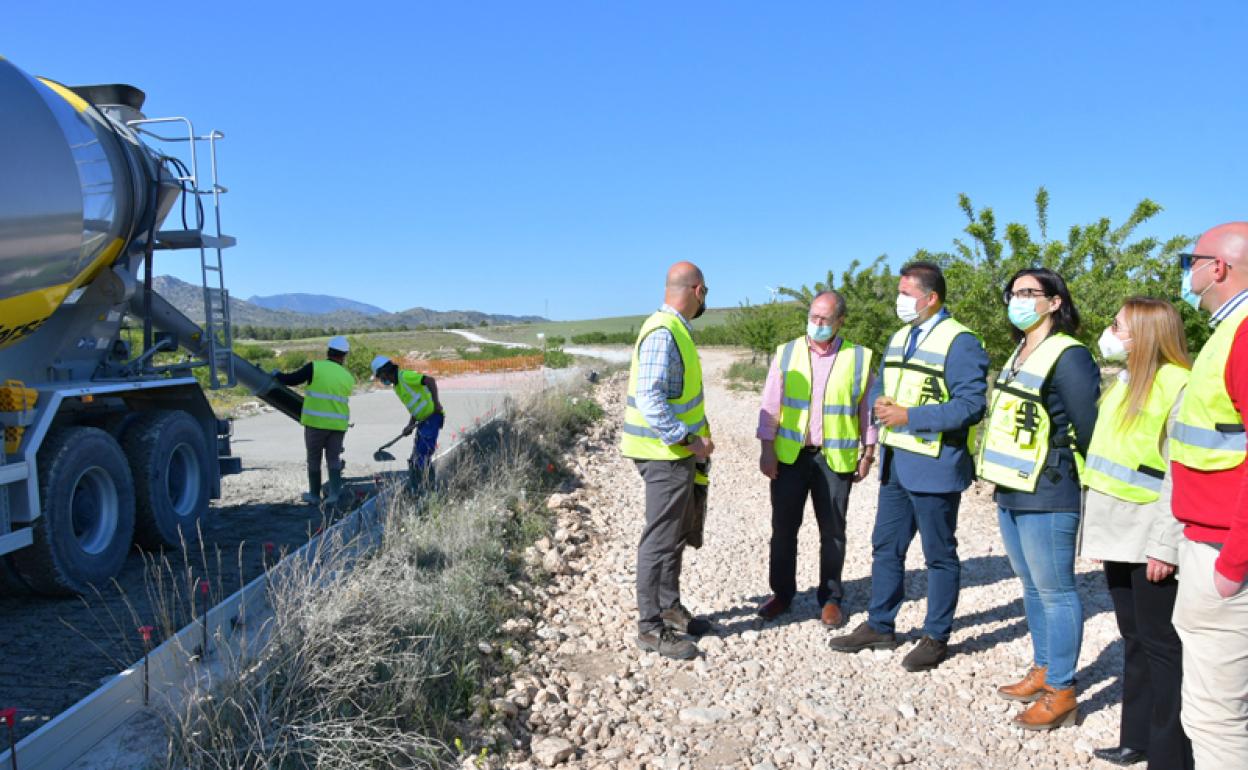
{"x": 1207, "y": 449}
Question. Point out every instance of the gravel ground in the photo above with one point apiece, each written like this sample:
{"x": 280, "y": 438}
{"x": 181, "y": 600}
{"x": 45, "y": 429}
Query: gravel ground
{"x": 774, "y": 695}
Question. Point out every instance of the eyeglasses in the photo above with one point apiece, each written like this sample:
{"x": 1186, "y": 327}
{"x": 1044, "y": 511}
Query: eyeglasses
{"x": 1007, "y": 295}
{"x": 1187, "y": 260}
{"x": 824, "y": 320}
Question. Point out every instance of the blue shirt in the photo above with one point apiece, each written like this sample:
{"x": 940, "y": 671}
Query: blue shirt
{"x": 661, "y": 376}
{"x": 1231, "y": 306}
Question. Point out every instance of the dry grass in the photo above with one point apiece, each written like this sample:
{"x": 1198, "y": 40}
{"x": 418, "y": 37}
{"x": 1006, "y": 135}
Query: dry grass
{"x": 372, "y": 662}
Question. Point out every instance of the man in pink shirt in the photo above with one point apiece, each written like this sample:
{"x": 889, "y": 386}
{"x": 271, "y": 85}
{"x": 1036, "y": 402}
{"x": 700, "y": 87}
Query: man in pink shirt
{"x": 817, "y": 439}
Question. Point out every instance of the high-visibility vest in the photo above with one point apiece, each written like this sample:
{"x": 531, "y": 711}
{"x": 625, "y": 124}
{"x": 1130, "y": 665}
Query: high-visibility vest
{"x": 640, "y": 441}
{"x": 917, "y": 381}
{"x": 1128, "y": 464}
{"x": 1209, "y": 434}
{"x": 846, "y": 382}
{"x": 325, "y": 400}
{"x": 414, "y": 394}
{"x": 1016, "y": 441}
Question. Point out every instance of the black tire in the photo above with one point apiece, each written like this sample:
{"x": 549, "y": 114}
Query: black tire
{"x": 169, "y": 463}
{"x": 84, "y": 532}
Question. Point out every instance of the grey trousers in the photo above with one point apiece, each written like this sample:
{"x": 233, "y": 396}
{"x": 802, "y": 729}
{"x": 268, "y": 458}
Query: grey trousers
{"x": 321, "y": 441}
{"x": 669, "y": 508}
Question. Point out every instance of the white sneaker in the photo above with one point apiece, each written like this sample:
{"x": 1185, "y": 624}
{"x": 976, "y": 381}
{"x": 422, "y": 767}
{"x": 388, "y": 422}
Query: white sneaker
{"x": 310, "y": 498}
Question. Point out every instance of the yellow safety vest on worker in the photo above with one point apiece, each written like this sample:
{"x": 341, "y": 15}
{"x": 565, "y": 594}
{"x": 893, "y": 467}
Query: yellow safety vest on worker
{"x": 638, "y": 439}
{"x": 1128, "y": 464}
{"x": 412, "y": 391}
{"x": 846, "y": 383}
{"x": 1209, "y": 433}
{"x": 917, "y": 381}
{"x": 1016, "y": 442}
{"x": 325, "y": 400}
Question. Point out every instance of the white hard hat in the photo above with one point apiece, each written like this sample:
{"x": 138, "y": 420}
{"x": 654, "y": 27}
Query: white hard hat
{"x": 378, "y": 362}
{"x": 340, "y": 344}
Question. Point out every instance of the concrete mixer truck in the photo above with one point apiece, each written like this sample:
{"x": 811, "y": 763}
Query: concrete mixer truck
{"x": 109, "y": 439}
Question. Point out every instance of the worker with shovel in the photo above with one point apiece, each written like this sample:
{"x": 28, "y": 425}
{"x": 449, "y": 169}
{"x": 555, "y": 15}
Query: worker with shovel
{"x": 419, "y": 394}
{"x": 325, "y": 416}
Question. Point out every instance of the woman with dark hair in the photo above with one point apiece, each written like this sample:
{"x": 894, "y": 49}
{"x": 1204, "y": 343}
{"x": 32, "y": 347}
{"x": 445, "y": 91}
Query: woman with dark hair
{"x": 1039, "y": 425}
{"x": 1127, "y": 524}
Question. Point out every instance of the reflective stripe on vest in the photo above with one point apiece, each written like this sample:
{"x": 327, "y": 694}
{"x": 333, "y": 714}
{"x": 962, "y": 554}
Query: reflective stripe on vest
{"x": 414, "y": 394}
{"x": 638, "y": 439}
{"x": 1209, "y": 434}
{"x": 1016, "y": 442}
{"x": 325, "y": 402}
{"x": 917, "y": 381}
{"x": 1127, "y": 463}
{"x": 847, "y": 379}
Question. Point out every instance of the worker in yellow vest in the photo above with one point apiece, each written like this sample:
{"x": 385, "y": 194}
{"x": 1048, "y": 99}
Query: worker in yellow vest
{"x": 1210, "y": 499}
{"x": 817, "y": 440}
{"x": 1128, "y": 527}
{"x": 419, "y": 396}
{"x": 325, "y": 417}
{"x": 927, "y": 397}
{"x": 665, "y": 433}
{"x": 1039, "y": 426}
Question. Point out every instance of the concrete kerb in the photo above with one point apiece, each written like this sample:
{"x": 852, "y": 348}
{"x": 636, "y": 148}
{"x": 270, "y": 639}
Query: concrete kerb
{"x": 235, "y": 630}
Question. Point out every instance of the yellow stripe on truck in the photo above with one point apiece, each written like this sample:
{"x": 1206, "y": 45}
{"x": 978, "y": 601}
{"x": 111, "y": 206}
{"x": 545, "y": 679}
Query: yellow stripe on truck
{"x": 22, "y": 315}
{"x": 75, "y": 101}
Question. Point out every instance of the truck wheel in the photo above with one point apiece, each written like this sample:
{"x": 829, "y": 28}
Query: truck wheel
{"x": 170, "y": 466}
{"x": 84, "y": 532}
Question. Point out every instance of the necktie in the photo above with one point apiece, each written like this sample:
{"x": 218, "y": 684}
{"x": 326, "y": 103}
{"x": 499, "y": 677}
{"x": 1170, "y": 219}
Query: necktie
{"x": 912, "y": 342}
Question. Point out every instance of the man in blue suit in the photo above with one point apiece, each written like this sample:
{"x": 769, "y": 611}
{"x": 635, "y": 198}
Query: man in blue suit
{"x": 931, "y": 390}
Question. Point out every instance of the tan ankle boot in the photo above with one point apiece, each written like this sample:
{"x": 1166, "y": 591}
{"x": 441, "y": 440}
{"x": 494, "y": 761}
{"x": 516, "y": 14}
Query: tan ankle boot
{"x": 1056, "y": 708}
{"x": 1027, "y": 690}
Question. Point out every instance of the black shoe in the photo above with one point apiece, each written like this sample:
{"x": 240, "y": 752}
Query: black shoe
{"x": 1120, "y": 755}
{"x": 864, "y": 637}
{"x": 678, "y": 618}
{"x": 666, "y": 643}
{"x": 926, "y": 655}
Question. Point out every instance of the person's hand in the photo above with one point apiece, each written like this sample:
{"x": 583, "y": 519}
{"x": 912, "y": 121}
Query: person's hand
{"x": 891, "y": 415}
{"x": 408, "y": 430}
{"x": 701, "y": 447}
{"x": 1158, "y": 570}
{"x": 768, "y": 462}
{"x": 1225, "y": 587}
{"x": 864, "y": 467}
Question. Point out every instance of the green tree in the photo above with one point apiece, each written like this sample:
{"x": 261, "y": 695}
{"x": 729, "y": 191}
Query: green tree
{"x": 762, "y": 327}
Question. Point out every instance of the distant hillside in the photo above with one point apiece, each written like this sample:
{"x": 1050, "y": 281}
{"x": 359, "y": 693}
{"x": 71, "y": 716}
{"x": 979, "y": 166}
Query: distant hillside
{"x": 189, "y": 298}
{"x": 314, "y": 304}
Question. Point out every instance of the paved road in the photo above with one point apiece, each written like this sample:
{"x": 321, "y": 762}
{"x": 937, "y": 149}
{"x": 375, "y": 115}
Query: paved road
{"x": 615, "y": 355}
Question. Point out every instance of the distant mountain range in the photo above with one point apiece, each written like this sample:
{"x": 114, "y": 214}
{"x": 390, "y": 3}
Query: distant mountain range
{"x": 314, "y": 304}
{"x": 189, "y": 298}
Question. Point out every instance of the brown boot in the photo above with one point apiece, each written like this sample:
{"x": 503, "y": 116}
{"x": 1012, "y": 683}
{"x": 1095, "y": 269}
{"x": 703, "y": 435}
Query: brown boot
{"x": 1056, "y": 708}
{"x": 1027, "y": 690}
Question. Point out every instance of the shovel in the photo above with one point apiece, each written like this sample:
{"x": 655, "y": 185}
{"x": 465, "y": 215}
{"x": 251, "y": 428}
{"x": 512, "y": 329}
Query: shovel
{"x": 381, "y": 455}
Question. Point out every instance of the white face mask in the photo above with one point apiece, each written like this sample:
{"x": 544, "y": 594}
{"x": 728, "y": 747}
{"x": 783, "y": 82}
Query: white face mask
{"x": 1112, "y": 348}
{"x": 907, "y": 308}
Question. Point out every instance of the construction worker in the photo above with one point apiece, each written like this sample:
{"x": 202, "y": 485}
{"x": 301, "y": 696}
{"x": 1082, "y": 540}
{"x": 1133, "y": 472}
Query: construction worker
{"x": 929, "y": 393}
{"x": 817, "y": 440}
{"x": 419, "y": 395}
{"x": 325, "y": 416}
{"x": 665, "y": 433}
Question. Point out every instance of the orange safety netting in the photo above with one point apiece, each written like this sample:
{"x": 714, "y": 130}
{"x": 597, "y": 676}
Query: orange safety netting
{"x": 439, "y": 367}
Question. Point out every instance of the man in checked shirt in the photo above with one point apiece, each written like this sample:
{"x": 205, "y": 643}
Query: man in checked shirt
{"x": 665, "y": 432}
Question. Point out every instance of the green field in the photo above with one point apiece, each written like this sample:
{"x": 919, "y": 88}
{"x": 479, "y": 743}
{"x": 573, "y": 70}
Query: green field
{"x": 387, "y": 342}
{"x": 527, "y": 333}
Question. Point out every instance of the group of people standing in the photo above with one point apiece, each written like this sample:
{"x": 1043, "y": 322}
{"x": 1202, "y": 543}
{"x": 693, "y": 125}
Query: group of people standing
{"x": 1145, "y": 475}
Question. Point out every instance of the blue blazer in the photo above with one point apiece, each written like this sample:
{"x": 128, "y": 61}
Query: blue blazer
{"x": 966, "y": 378}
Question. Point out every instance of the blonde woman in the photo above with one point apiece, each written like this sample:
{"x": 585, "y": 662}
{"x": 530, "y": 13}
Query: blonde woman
{"x": 1127, "y": 524}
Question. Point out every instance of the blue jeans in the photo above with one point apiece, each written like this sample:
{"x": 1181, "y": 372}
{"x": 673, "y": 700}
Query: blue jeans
{"x": 1041, "y": 547}
{"x": 899, "y": 514}
{"x": 426, "y": 441}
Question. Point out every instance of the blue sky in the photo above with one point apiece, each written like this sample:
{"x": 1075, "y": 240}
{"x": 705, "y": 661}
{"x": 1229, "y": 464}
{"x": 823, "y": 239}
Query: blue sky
{"x": 514, "y": 157}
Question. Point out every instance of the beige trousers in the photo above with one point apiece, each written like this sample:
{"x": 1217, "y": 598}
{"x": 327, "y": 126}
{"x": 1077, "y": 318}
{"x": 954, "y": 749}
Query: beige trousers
{"x": 1215, "y": 662}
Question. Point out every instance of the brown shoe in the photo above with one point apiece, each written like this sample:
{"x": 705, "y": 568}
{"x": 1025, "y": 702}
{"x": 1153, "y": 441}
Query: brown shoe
{"x": 1029, "y": 689}
{"x": 1056, "y": 708}
{"x": 831, "y": 616}
{"x": 772, "y": 609}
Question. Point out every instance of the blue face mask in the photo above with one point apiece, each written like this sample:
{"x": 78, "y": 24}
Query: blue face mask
{"x": 819, "y": 333}
{"x": 1023, "y": 313}
{"x": 1186, "y": 291}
